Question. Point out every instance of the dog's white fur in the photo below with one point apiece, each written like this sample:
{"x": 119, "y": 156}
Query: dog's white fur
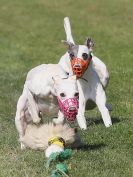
{"x": 37, "y": 137}
{"x": 98, "y": 66}
{"x": 42, "y": 85}
{"x": 94, "y": 81}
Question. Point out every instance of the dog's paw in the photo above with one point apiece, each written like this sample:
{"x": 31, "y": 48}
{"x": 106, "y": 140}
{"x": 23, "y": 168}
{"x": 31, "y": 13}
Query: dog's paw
{"x": 56, "y": 121}
{"x": 108, "y": 125}
{"x": 83, "y": 128}
{"x": 23, "y": 146}
{"x": 36, "y": 120}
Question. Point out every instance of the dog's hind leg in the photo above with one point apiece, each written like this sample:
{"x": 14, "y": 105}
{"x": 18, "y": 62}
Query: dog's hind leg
{"x": 19, "y": 118}
{"x": 101, "y": 71}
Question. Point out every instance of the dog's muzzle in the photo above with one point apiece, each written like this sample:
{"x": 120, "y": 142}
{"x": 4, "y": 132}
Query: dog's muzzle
{"x": 69, "y": 108}
{"x": 79, "y": 66}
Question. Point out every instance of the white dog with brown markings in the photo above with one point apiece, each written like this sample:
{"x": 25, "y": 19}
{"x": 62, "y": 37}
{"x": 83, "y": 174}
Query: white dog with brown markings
{"x": 92, "y": 76}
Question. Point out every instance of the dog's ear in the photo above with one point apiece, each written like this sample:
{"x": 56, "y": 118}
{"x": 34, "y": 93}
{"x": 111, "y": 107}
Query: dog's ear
{"x": 89, "y": 43}
{"x": 69, "y": 44}
{"x": 56, "y": 79}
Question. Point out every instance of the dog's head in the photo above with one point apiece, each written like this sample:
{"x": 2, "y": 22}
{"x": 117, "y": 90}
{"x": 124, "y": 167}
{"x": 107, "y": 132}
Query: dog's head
{"x": 80, "y": 57}
{"x": 67, "y": 95}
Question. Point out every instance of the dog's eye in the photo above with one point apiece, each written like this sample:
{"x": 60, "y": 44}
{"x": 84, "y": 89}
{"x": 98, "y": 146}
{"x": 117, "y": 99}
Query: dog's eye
{"x": 62, "y": 94}
{"x": 85, "y": 56}
{"x": 76, "y": 94}
{"x": 71, "y": 55}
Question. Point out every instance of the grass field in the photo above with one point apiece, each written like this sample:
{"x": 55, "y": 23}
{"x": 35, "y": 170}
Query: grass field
{"x": 30, "y": 34}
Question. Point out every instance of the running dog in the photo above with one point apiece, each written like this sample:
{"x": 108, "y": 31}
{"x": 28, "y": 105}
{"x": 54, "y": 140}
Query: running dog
{"x": 46, "y": 88}
{"x": 92, "y": 76}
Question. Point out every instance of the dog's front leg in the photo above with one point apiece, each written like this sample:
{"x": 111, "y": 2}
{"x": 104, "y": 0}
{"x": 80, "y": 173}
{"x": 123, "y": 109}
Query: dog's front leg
{"x": 81, "y": 111}
{"x": 60, "y": 118}
{"x": 101, "y": 103}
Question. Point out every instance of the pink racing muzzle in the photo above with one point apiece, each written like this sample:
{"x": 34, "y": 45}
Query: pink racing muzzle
{"x": 69, "y": 108}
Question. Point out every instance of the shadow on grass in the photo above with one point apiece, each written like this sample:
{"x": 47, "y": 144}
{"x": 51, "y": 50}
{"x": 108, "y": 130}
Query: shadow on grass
{"x": 87, "y": 147}
{"x": 96, "y": 121}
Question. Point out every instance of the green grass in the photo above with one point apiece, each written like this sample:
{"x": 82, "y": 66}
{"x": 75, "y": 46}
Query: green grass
{"x": 30, "y": 34}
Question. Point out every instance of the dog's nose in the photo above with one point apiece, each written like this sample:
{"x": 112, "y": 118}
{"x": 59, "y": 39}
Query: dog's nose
{"x": 72, "y": 109}
{"x": 77, "y": 66}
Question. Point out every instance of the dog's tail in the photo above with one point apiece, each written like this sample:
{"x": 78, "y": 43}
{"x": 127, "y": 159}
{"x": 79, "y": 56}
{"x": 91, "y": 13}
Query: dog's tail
{"x": 67, "y": 27}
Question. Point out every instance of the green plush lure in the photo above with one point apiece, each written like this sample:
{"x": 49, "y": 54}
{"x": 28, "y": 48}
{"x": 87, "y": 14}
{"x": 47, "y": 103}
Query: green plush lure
{"x": 61, "y": 169}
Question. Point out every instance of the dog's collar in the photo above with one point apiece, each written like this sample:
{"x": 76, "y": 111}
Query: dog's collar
{"x": 57, "y": 140}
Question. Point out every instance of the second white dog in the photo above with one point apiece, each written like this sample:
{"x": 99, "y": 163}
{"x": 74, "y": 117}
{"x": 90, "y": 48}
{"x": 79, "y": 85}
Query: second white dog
{"x": 43, "y": 85}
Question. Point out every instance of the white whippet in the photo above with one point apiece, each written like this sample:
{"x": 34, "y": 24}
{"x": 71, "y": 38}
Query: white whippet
{"x": 45, "y": 85}
{"x": 92, "y": 75}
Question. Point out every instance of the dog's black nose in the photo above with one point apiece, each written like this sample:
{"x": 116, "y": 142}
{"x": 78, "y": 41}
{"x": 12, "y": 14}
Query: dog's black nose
{"x": 72, "y": 109}
{"x": 77, "y": 66}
